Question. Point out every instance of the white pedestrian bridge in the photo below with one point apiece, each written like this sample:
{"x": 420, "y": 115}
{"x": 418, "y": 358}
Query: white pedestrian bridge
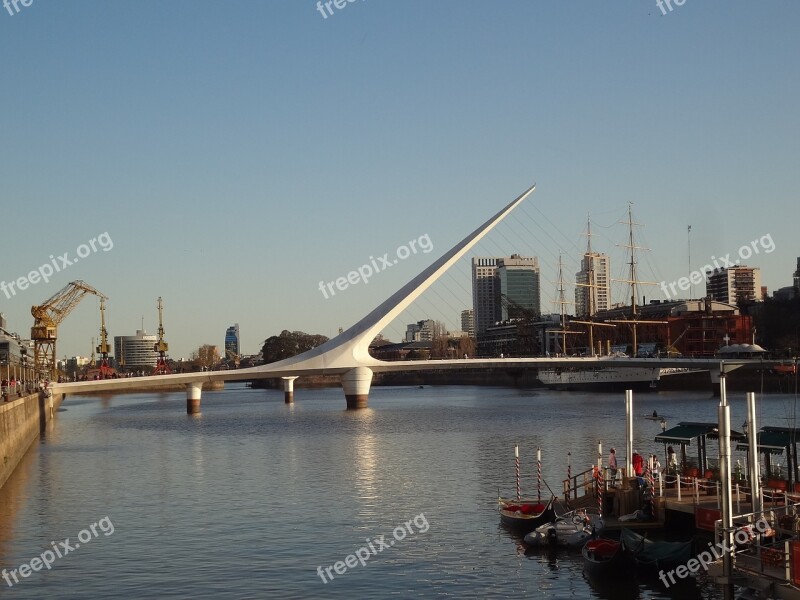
{"x": 348, "y": 355}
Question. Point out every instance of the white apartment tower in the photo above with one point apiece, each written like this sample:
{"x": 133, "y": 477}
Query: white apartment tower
{"x": 593, "y": 285}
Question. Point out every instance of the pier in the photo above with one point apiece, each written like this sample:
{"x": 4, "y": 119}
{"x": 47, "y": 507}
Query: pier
{"x": 754, "y": 520}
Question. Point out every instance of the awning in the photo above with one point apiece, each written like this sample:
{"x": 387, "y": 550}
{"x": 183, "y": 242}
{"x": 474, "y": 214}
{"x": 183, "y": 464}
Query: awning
{"x": 685, "y": 432}
{"x": 774, "y": 439}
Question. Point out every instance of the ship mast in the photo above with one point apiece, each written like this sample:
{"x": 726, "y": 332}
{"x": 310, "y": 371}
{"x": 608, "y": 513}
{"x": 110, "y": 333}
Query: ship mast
{"x": 562, "y": 301}
{"x": 590, "y": 274}
{"x": 632, "y": 281}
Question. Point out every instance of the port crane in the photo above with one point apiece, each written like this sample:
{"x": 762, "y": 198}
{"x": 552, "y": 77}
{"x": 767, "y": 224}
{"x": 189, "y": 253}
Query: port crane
{"x": 233, "y": 357}
{"x": 46, "y": 319}
{"x": 103, "y": 348}
{"x": 161, "y": 347}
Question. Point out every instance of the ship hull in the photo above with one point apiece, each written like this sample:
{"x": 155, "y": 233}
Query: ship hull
{"x": 609, "y": 379}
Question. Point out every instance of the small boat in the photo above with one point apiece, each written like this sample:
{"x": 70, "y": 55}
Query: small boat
{"x": 571, "y": 530}
{"x": 603, "y": 557}
{"x": 525, "y": 515}
{"x": 654, "y": 555}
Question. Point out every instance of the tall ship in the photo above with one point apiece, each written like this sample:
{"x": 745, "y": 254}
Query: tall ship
{"x": 599, "y": 377}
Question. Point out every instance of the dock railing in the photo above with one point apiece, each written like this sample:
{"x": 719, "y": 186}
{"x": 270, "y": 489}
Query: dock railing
{"x": 772, "y": 553}
{"x": 580, "y": 482}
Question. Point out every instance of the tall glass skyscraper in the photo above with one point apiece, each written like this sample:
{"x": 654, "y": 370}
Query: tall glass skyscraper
{"x": 519, "y": 287}
{"x": 232, "y": 339}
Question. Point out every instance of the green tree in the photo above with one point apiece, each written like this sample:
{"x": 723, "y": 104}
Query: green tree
{"x": 288, "y": 344}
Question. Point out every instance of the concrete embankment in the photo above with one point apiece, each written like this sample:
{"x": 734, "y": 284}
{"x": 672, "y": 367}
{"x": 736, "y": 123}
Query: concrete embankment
{"x": 21, "y": 421}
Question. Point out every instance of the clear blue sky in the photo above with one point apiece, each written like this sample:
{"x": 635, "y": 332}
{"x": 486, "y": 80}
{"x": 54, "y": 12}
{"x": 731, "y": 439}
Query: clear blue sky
{"x": 238, "y": 153}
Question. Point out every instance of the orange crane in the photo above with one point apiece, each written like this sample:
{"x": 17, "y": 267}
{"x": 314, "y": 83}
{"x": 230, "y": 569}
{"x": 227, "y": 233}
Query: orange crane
{"x": 162, "y": 368}
{"x": 46, "y": 319}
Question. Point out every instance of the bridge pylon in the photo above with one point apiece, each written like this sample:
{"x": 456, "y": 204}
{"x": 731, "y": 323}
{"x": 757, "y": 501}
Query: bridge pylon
{"x": 356, "y": 383}
{"x": 288, "y": 389}
{"x": 194, "y": 391}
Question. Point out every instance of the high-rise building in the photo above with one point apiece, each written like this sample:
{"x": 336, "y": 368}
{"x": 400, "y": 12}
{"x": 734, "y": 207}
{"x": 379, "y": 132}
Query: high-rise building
{"x": 519, "y": 287}
{"x": 796, "y": 281}
{"x": 468, "y": 322}
{"x": 423, "y": 331}
{"x": 734, "y": 284}
{"x": 232, "y": 339}
{"x": 131, "y": 351}
{"x": 485, "y": 293}
{"x": 593, "y": 285}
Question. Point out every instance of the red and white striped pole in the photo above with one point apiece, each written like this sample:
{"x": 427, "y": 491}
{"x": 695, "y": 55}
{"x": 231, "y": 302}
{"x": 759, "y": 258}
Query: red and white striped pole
{"x": 516, "y": 464}
{"x": 600, "y": 491}
{"x": 539, "y": 474}
{"x": 569, "y": 468}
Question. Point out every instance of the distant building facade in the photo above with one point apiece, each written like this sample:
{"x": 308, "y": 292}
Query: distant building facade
{"x": 518, "y": 279}
{"x": 133, "y": 351}
{"x": 796, "y": 280}
{"x": 232, "y": 340}
{"x": 734, "y": 284}
{"x": 423, "y": 331}
{"x": 468, "y": 322}
{"x": 485, "y": 293}
{"x": 593, "y": 285}
{"x": 785, "y": 293}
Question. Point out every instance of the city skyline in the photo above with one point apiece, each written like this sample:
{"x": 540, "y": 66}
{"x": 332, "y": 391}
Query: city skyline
{"x": 167, "y": 151}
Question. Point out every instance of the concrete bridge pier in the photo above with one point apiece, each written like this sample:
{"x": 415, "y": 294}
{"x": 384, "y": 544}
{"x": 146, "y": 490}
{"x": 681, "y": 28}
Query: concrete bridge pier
{"x": 355, "y": 384}
{"x": 193, "y": 392}
{"x": 288, "y": 389}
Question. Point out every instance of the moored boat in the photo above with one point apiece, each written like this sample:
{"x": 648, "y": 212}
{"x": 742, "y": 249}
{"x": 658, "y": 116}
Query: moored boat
{"x": 600, "y": 378}
{"x": 525, "y": 515}
{"x": 571, "y": 530}
{"x": 603, "y": 557}
{"x": 652, "y": 555}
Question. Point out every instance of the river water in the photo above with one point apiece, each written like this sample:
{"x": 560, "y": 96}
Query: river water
{"x": 251, "y": 498}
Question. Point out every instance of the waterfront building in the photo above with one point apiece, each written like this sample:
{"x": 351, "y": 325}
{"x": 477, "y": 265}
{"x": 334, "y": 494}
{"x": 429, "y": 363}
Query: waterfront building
{"x": 232, "y": 344}
{"x": 135, "y": 351}
{"x": 423, "y": 331}
{"x": 734, "y": 284}
{"x": 518, "y": 279}
{"x": 485, "y": 293}
{"x": 696, "y": 328}
{"x": 785, "y": 293}
{"x": 593, "y": 285}
{"x": 468, "y": 322}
